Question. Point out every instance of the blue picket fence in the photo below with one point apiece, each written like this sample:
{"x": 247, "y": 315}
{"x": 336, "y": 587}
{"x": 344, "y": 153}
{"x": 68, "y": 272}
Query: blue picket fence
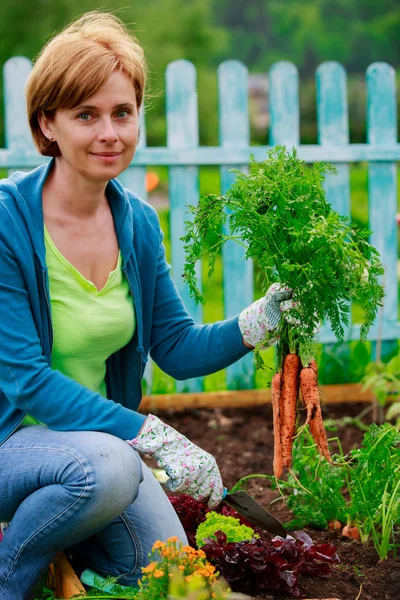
{"x": 184, "y": 156}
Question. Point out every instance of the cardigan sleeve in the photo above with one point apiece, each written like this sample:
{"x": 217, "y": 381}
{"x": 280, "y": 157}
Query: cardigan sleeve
{"x": 179, "y": 346}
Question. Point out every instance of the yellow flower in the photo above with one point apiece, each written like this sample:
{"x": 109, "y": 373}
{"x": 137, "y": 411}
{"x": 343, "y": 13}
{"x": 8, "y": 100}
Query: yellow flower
{"x": 174, "y": 538}
{"x": 150, "y": 568}
{"x": 158, "y": 573}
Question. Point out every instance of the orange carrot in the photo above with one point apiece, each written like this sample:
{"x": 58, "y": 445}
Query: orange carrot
{"x": 351, "y": 532}
{"x": 289, "y": 396}
{"x": 313, "y": 366}
{"x": 335, "y": 525}
{"x": 277, "y": 417}
{"x": 310, "y": 394}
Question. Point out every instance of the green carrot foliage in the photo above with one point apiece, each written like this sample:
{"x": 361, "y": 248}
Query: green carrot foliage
{"x": 279, "y": 214}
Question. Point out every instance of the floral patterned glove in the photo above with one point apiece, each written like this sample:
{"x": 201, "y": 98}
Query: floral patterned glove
{"x": 264, "y": 315}
{"x": 191, "y": 470}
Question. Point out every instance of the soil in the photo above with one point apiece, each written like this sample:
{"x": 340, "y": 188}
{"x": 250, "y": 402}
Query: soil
{"x": 241, "y": 440}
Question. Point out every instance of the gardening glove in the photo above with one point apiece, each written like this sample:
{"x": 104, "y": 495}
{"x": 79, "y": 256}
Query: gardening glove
{"x": 264, "y": 315}
{"x": 191, "y": 470}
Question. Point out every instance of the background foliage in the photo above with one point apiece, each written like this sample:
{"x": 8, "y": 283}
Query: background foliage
{"x": 353, "y": 32}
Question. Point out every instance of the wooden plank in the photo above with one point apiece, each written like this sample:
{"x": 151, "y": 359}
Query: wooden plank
{"x": 333, "y": 130}
{"x": 284, "y": 106}
{"x": 234, "y": 131}
{"x": 18, "y": 135}
{"x": 215, "y": 155}
{"x": 183, "y": 133}
{"x": 331, "y": 394}
{"x": 382, "y": 186}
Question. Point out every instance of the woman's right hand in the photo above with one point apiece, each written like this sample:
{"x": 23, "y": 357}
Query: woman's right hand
{"x": 191, "y": 470}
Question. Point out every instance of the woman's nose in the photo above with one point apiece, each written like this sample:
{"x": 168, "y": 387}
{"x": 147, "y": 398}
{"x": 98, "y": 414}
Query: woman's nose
{"x": 107, "y": 131}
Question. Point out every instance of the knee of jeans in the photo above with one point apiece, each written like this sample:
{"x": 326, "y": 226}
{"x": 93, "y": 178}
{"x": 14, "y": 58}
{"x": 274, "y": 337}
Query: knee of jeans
{"x": 117, "y": 471}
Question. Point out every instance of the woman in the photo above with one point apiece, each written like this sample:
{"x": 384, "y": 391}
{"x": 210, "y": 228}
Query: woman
{"x": 86, "y": 295}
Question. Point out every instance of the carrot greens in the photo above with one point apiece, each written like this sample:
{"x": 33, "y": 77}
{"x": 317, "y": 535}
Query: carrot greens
{"x": 280, "y": 215}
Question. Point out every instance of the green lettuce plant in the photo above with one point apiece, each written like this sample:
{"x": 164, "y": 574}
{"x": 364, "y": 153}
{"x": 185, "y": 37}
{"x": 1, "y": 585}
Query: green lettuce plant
{"x": 234, "y": 531}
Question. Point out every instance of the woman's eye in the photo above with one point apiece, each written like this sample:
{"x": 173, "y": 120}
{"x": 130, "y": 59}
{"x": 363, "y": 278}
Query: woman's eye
{"x": 120, "y": 112}
{"x": 84, "y": 117}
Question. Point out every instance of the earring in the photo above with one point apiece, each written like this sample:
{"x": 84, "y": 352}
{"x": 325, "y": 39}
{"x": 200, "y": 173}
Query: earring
{"x": 51, "y": 138}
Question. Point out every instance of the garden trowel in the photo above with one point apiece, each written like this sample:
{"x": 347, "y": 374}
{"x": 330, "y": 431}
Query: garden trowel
{"x": 244, "y": 504}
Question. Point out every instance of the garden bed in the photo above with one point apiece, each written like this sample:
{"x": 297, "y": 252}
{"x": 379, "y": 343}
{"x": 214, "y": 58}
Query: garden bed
{"x": 242, "y": 442}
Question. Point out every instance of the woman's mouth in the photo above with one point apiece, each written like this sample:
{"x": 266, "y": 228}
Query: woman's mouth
{"x": 107, "y": 157}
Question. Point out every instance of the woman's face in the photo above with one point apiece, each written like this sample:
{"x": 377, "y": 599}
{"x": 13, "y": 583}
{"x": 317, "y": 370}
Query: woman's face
{"x": 98, "y": 138}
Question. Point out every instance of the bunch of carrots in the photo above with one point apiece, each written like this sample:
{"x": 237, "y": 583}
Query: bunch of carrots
{"x": 285, "y": 390}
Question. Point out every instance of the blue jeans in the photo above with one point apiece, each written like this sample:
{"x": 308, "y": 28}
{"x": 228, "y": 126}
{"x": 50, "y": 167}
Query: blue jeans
{"x": 86, "y": 492}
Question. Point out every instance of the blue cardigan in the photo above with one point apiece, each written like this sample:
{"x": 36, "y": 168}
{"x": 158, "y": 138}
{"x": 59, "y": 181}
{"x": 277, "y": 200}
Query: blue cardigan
{"x": 164, "y": 329}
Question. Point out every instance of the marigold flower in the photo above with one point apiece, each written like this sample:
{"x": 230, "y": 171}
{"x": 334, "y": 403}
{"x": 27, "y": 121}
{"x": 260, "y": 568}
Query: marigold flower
{"x": 158, "y": 544}
{"x": 150, "y": 568}
{"x": 174, "y": 538}
{"x": 158, "y": 573}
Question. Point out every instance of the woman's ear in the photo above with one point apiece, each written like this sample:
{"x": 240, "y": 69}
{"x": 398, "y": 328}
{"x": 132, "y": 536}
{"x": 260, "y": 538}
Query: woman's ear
{"x": 46, "y": 125}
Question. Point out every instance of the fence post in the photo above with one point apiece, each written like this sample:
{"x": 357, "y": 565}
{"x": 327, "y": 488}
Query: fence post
{"x": 237, "y": 273}
{"x": 333, "y": 130}
{"x": 284, "y": 107}
{"x": 382, "y": 189}
{"x": 183, "y": 132}
{"x": 17, "y": 131}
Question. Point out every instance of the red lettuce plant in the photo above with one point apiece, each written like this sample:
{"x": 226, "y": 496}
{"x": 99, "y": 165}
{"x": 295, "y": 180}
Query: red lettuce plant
{"x": 275, "y": 564}
{"x": 262, "y": 563}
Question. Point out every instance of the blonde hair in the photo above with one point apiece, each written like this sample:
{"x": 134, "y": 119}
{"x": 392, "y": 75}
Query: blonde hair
{"x": 76, "y": 63}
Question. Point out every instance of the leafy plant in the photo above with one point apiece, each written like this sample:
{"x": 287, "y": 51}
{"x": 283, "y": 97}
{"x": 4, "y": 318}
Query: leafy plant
{"x": 384, "y": 381}
{"x": 234, "y": 531}
{"x": 373, "y": 483}
{"x": 318, "y": 500}
{"x": 280, "y": 215}
{"x": 276, "y": 564}
{"x": 364, "y": 493}
{"x": 195, "y": 589}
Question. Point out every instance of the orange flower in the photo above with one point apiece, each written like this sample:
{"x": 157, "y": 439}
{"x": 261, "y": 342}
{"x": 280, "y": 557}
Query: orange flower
{"x": 150, "y": 568}
{"x": 189, "y": 550}
{"x": 174, "y": 538}
{"x": 158, "y": 544}
{"x": 158, "y": 573}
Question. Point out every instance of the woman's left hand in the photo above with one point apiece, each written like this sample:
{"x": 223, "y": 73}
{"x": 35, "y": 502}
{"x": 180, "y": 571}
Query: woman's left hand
{"x": 264, "y": 315}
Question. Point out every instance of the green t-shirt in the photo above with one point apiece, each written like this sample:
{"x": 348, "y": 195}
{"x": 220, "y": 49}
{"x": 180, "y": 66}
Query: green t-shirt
{"x": 88, "y": 325}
